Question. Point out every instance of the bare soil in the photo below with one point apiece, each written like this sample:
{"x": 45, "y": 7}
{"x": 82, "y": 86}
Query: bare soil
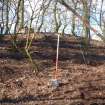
{"x": 82, "y": 80}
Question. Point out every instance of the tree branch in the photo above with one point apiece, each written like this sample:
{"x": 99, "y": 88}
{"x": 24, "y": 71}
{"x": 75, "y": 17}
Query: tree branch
{"x": 85, "y": 22}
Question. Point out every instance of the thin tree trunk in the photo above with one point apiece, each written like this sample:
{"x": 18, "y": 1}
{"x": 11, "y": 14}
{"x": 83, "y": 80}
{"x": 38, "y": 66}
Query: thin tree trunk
{"x": 21, "y": 15}
{"x": 2, "y": 25}
{"x": 7, "y": 16}
{"x": 44, "y": 8}
{"x": 102, "y": 1}
{"x": 73, "y": 18}
{"x": 57, "y": 22}
{"x": 73, "y": 25}
{"x": 86, "y": 14}
{"x": 17, "y": 17}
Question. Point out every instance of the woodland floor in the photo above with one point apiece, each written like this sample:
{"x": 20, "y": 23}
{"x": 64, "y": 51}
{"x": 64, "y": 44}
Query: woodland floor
{"x": 82, "y": 82}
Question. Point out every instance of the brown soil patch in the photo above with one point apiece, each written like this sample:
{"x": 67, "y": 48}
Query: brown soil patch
{"x": 82, "y": 82}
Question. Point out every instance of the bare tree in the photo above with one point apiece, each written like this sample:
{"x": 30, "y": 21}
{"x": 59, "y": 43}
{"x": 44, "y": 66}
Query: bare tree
{"x": 44, "y": 7}
{"x": 17, "y": 17}
{"x": 21, "y": 14}
{"x": 64, "y": 23}
{"x": 2, "y": 16}
{"x": 101, "y": 10}
{"x": 86, "y": 16}
{"x": 85, "y": 22}
{"x": 56, "y": 19}
{"x": 74, "y": 17}
{"x": 7, "y": 16}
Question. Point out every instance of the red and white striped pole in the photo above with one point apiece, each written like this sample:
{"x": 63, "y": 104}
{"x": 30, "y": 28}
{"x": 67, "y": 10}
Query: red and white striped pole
{"x": 54, "y": 81}
{"x": 57, "y": 56}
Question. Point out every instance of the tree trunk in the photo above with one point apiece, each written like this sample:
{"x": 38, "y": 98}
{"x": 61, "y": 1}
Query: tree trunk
{"x": 57, "y": 22}
{"x": 21, "y": 14}
{"x": 2, "y": 18}
{"x": 73, "y": 18}
{"x": 7, "y": 17}
{"x": 44, "y": 8}
{"x": 102, "y": 2}
{"x": 73, "y": 25}
{"x": 86, "y": 15}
